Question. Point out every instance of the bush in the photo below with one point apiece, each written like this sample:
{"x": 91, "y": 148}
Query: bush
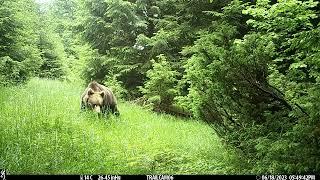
{"x": 19, "y": 55}
{"x": 159, "y": 89}
{"x": 260, "y": 92}
{"x": 116, "y": 87}
{"x": 53, "y": 55}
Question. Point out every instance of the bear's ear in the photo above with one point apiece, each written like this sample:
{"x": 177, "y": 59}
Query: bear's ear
{"x": 102, "y": 93}
{"x": 90, "y": 92}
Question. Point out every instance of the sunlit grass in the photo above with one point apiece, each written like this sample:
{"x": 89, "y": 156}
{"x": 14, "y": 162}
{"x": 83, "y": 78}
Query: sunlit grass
{"x": 44, "y": 132}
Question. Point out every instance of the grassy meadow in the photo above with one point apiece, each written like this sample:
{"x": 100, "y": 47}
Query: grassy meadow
{"x": 44, "y": 132}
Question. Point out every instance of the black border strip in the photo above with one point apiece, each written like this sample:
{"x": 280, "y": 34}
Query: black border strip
{"x": 163, "y": 177}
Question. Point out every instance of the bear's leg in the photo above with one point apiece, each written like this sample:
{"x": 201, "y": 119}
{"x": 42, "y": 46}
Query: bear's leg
{"x": 82, "y": 106}
{"x": 105, "y": 109}
{"x": 115, "y": 110}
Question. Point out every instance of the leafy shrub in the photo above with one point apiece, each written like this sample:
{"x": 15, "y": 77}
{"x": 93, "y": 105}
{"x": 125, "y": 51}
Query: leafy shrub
{"x": 260, "y": 92}
{"x": 160, "y": 88}
{"x": 53, "y": 56}
{"x": 116, "y": 86}
{"x": 19, "y": 55}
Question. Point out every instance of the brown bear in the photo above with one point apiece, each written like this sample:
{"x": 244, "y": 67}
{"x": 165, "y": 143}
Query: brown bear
{"x": 99, "y": 98}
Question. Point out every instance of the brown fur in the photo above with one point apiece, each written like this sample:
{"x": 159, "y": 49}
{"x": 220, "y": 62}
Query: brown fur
{"x": 99, "y": 98}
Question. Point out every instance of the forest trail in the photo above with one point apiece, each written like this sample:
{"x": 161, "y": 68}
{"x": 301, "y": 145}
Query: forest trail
{"x": 44, "y": 132}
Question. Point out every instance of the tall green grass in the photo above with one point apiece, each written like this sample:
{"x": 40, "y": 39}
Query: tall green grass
{"x": 44, "y": 132}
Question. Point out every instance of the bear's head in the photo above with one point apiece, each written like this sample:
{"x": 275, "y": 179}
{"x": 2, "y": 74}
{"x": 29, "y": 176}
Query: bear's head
{"x": 95, "y": 100}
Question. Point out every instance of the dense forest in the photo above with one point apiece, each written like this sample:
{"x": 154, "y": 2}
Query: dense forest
{"x": 249, "y": 69}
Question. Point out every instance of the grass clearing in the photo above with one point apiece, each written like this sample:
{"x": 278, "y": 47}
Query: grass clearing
{"x": 44, "y": 132}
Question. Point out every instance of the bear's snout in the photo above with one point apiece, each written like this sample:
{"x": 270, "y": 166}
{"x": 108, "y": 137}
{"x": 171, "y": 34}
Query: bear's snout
{"x": 97, "y": 109}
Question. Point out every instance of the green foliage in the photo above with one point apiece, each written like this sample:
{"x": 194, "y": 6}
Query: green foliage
{"x": 128, "y": 35}
{"x": 53, "y": 56}
{"x": 116, "y": 87}
{"x": 294, "y": 74}
{"x": 19, "y": 54}
{"x": 256, "y": 91}
{"x": 76, "y": 64}
{"x": 97, "y": 67}
{"x": 112, "y": 24}
{"x": 11, "y": 71}
{"x": 160, "y": 88}
{"x": 111, "y": 28}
